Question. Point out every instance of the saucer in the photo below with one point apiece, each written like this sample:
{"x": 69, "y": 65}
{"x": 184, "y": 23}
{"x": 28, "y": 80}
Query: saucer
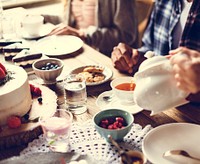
{"x": 114, "y": 102}
{"x": 44, "y": 31}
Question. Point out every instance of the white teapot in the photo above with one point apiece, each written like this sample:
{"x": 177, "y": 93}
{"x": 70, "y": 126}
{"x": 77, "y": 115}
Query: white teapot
{"x": 156, "y": 88}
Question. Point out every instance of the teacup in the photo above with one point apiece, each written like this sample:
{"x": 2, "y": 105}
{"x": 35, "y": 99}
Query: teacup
{"x": 123, "y": 89}
{"x": 32, "y": 24}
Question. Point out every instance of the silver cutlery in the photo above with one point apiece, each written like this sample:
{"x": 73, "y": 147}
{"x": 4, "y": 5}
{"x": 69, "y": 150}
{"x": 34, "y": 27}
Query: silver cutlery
{"x": 107, "y": 98}
{"x": 130, "y": 156}
{"x": 180, "y": 156}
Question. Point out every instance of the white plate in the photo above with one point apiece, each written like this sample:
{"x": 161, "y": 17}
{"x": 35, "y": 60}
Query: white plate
{"x": 173, "y": 136}
{"x": 59, "y": 45}
{"x": 44, "y": 30}
{"x": 115, "y": 103}
{"x": 107, "y": 73}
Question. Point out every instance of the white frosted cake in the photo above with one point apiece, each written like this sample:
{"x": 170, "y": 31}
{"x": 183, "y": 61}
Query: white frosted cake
{"x": 15, "y": 95}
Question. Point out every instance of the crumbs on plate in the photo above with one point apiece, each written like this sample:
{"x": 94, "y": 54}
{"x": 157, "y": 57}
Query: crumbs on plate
{"x": 93, "y": 74}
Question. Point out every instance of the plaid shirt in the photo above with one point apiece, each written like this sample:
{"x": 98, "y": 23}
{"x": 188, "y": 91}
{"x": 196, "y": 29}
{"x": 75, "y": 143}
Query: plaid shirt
{"x": 165, "y": 16}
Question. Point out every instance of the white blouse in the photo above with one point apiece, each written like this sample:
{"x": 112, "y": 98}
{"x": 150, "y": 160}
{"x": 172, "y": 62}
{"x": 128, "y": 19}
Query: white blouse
{"x": 181, "y": 24}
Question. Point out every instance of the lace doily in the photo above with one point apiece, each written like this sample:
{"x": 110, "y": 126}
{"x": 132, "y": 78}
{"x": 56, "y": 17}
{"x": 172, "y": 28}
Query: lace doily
{"x": 85, "y": 139}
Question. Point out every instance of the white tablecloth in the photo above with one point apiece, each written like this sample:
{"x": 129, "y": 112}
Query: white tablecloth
{"x": 86, "y": 140}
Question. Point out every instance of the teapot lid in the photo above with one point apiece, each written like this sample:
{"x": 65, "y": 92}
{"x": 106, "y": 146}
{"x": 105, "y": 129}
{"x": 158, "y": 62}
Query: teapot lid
{"x": 152, "y": 62}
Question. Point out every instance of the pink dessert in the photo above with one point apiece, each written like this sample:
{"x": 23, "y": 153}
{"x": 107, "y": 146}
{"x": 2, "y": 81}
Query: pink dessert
{"x": 57, "y": 125}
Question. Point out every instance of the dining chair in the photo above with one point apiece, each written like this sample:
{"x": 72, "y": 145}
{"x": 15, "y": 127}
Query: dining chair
{"x": 144, "y": 8}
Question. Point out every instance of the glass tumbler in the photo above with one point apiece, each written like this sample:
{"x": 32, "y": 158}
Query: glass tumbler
{"x": 57, "y": 130}
{"x": 75, "y": 93}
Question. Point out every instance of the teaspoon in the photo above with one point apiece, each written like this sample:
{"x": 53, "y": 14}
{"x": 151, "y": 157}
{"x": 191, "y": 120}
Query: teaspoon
{"x": 107, "y": 98}
{"x": 180, "y": 156}
{"x": 130, "y": 156}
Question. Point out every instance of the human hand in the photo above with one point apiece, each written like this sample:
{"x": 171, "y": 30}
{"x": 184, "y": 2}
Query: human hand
{"x": 63, "y": 29}
{"x": 186, "y": 68}
{"x": 124, "y": 58}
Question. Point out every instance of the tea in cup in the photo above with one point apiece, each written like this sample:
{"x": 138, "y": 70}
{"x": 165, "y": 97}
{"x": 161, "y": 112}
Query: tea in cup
{"x": 32, "y": 24}
{"x": 123, "y": 89}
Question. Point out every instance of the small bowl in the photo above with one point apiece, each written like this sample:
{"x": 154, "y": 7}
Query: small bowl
{"x": 117, "y": 134}
{"x": 124, "y": 96}
{"x": 49, "y": 76}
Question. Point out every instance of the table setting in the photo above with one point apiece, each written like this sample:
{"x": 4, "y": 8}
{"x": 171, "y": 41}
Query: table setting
{"x": 84, "y": 140}
{"x": 81, "y": 93}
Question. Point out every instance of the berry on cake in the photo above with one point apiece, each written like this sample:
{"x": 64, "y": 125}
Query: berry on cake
{"x": 2, "y": 72}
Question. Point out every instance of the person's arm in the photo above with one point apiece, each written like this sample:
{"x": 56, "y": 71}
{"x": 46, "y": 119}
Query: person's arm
{"x": 54, "y": 19}
{"x": 117, "y": 22}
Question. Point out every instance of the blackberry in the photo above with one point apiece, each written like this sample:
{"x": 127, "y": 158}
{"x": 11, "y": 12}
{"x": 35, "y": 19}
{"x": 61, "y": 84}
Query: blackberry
{"x": 40, "y": 100}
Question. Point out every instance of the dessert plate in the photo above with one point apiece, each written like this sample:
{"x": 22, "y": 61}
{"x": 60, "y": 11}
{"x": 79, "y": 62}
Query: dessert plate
{"x": 44, "y": 31}
{"x": 175, "y": 136}
{"x": 107, "y": 72}
{"x": 59, "y": 45}
{"x": 48, "y": 106}
{"x": 114, "y": 102}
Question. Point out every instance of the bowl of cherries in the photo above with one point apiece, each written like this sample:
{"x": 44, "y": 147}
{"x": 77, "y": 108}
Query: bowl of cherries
{"x": 48, "y": 69}
{"x": 113, "y": 122}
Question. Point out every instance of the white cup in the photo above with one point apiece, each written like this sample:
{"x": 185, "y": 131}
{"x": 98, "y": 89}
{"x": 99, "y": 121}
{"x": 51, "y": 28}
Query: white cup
{"x": 32, "y": 24}
{"x": 8, "y": 27}
{"x": 123, "y": 89}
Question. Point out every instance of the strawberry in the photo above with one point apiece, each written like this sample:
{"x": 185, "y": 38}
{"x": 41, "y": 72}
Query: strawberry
{"x": 2, "y": 67}
{"x": 2, "y": 73}
{"x": 13, "y": 122}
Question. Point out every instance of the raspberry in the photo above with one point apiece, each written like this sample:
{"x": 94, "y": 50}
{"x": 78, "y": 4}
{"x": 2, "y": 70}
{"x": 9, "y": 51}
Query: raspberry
{"x": 14, "y": 122}
{"x": 120, "y": 125}
{"x": 103, "y": 126}
{"x": 110, "y": 126}
{"x": 2, "y": 67}
{"x": 2, "y": 73}
{"x": 32, "y": 87}
{"x": 115, "y": 122}
{"x": 105, "y": 122}
{"x": 115, "y": 126}
{"x": 120, "y": 119}
{"x": 37, "y": 91}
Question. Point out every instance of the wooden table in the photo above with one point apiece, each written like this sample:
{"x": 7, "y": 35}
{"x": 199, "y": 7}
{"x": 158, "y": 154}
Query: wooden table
{"x": 188, "y": 113}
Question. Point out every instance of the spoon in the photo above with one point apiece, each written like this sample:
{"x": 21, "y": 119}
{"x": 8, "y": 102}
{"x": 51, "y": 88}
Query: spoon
{"x": 180, "y": 156}
{"x": 107, "y": 98}
{"x": 130, "y": 156}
